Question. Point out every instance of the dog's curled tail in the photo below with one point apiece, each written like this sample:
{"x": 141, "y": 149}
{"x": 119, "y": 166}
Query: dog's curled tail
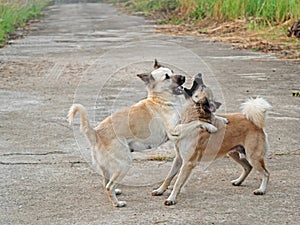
{"x": 85, "y": 126}
{"x": 256, "y": 110}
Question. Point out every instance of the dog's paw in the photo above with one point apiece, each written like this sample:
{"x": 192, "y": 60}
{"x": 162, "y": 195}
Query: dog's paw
{"x": 259, "y": 192}
{"x": 120, "y": 204}
{"x": 169, "y": 202}
{"x": 156, "y": 193}
{"x": 225, "y": 120}
{"x": 118, "y": 191}
{"x": 236, "y": 182}
{"x": 222, "y": 119}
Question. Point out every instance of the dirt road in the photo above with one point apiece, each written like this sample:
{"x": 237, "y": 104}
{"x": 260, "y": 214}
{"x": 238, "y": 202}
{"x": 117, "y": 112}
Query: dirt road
{"x": 90, "y": 53}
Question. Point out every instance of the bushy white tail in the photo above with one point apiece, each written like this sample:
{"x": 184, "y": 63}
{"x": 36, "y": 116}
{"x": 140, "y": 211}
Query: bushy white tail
{"x": 85, "y": 126}
{"x": 255, "y": 110}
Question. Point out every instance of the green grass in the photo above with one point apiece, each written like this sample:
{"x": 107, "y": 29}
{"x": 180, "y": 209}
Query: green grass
{"x": 262, "y": 12}
{"x": 257, "y": 12}
{"x": 15, "y": 14}
{"x": 156, "y": 6}
{"x": 149, "y": 7}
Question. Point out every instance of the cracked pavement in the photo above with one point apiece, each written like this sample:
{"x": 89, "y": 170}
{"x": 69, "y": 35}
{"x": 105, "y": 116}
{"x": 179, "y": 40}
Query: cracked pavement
{"x": 90, "y": 53}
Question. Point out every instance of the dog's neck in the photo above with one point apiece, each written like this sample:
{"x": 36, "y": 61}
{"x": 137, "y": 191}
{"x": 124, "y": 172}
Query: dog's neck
{"x": 170, "y": 109}
{"x": 156, "y": 99}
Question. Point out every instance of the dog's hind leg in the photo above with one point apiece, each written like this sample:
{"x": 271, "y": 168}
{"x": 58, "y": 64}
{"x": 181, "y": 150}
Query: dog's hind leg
{"x": 260, "y": 166}
{"x": 106, "y": 179}
{"x": 113, "y": 197}
{"x": 110, "y": 187}
{"x": 256, "y": 158}
{"x": 183, "y": 175}
{"x": 113, "y": 192}
{"x": 118, "y": 163}
{"x": 235, "y": 154}
{"x": 174, "y": 170}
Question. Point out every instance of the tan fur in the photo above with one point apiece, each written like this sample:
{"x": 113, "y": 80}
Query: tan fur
{"x": 239, "y": 131}
{"x": 142, "y": 126}
{"x": 229, "y": 140}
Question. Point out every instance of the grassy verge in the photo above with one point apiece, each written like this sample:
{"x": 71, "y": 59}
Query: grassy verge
{"x": 252, "y": 24}
{"x": 15, "y": 13}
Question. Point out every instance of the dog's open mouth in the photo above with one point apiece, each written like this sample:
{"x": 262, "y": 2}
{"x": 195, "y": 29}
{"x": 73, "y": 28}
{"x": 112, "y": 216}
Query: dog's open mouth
{"x": 179, "y": 80}
{"x": 178, "y": 90}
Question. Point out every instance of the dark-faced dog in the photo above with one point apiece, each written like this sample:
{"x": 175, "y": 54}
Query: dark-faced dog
{"x": 243, "y": 139}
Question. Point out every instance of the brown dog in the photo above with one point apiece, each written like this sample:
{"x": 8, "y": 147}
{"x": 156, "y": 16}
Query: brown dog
{"x": 243, "y": 139}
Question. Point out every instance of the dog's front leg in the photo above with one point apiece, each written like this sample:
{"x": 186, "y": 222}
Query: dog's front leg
{"x": 182, "y": 130}
{"x": 209, "y": 127}
{"x": 174, "y": 170}
{"x": 223, "y": 119}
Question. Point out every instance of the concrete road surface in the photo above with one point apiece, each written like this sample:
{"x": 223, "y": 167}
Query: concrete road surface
{"x": 90, "y": 53}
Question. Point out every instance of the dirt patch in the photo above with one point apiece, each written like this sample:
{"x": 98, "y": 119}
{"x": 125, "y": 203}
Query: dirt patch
{"x": 283, "y": 39}
{"x": 238, "y": 35}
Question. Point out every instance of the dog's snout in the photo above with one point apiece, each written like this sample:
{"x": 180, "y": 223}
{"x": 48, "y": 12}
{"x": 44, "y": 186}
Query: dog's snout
{"x": 179, "y": 79}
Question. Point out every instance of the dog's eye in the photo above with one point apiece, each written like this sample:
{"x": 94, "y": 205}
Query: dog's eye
{"x": 167, "y": 76}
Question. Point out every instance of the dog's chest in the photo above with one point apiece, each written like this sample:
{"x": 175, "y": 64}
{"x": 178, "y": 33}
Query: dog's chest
{"x": 190, "y": 114}
{"x": 194, "y": 113}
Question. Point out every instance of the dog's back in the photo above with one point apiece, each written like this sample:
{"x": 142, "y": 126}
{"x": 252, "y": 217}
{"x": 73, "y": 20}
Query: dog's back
{"x": 227, "y": 137}
{"x": 243, "y": 129}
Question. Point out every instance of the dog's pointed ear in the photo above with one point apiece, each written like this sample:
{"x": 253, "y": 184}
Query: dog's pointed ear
{"x": 146, "y": 77}
{"x": 218, "y": 104}
{"x": 156, "y": 64}
{"x": 188, "y": 92}
{"x": 196, "y": 83}
{"x": 198, "y": 79}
